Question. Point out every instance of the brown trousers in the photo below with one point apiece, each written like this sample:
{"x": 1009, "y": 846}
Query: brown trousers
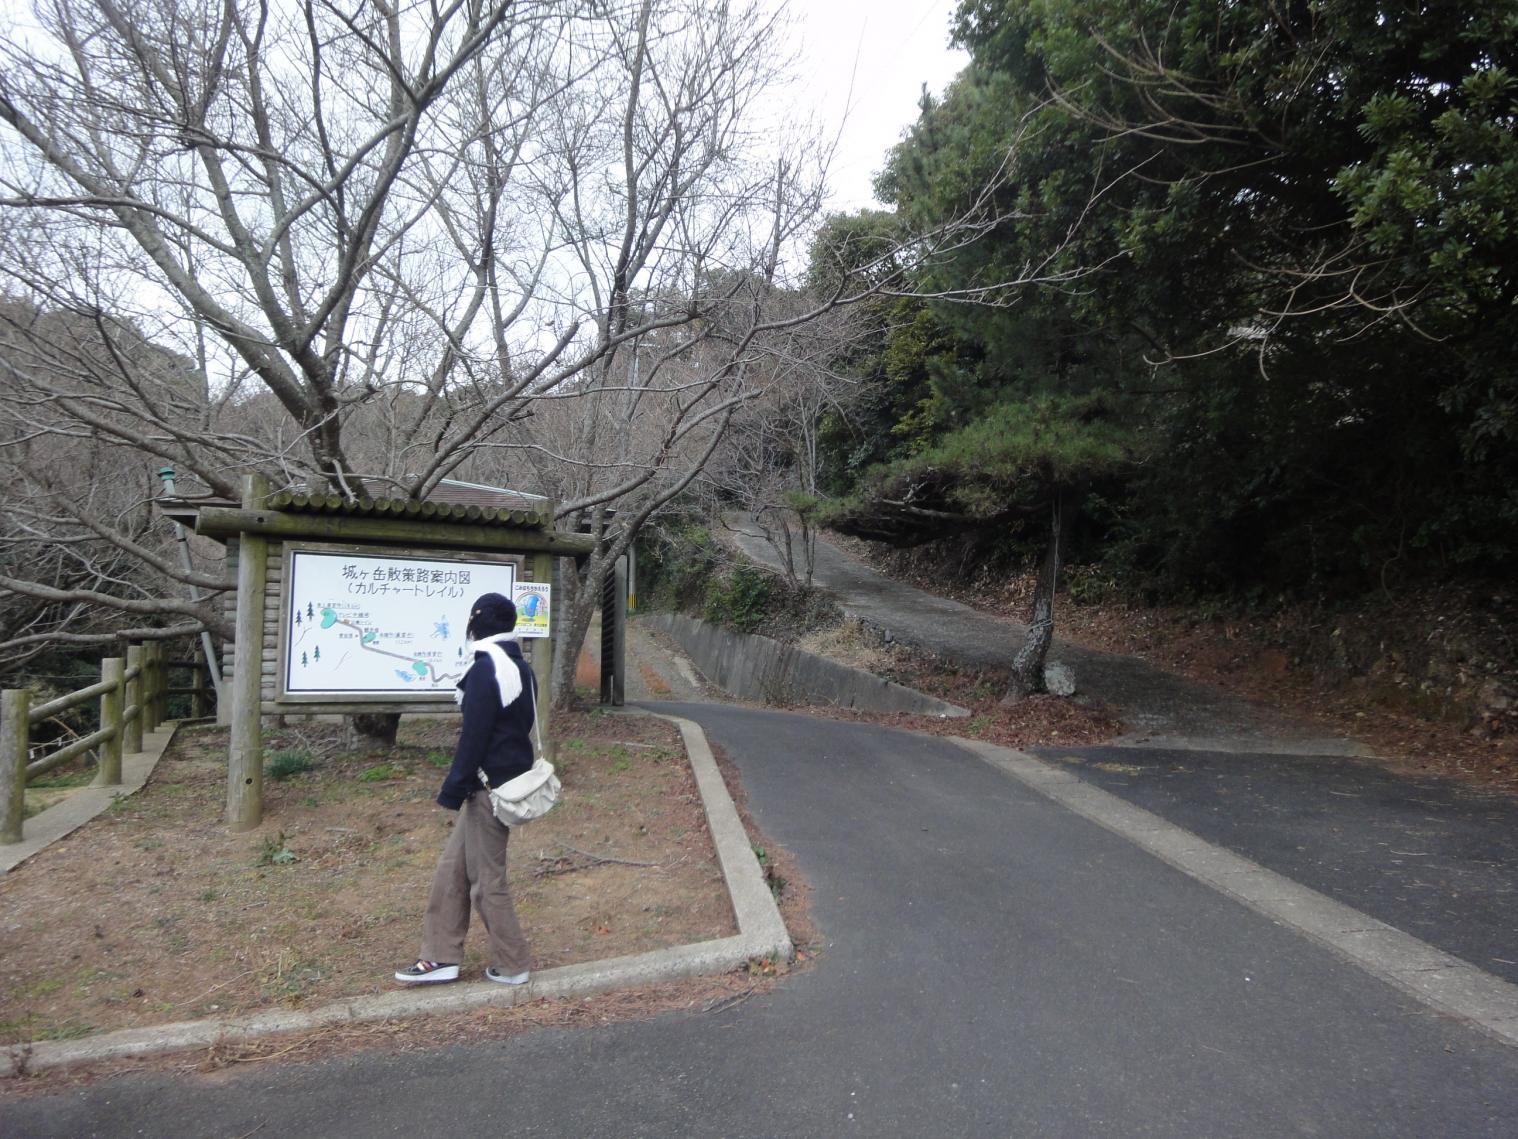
{"x": 472, "y": 870}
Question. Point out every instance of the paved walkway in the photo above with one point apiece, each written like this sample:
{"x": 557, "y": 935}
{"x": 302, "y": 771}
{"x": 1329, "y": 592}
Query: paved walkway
{"x": 80, "y": 806}
{"x": 1159, "y": 708}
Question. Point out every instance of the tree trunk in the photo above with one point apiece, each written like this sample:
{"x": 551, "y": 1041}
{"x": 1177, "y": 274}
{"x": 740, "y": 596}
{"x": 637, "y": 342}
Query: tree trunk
{"x": 578, "y": 608}
{"x": 1028, "y": 665}
{"x": 374, "y": 729}
{"x": 808, "y": 549}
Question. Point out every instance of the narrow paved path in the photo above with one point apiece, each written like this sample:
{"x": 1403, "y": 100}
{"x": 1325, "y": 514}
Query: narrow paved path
{"x": 992, "y": 965}
{"x": 1428, "y": 856}
{"x": 1159, "y": 708}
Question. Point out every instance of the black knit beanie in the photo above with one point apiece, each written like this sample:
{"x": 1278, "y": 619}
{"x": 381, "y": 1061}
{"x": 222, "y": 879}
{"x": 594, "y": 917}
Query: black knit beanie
{"x": 489, "y": 615}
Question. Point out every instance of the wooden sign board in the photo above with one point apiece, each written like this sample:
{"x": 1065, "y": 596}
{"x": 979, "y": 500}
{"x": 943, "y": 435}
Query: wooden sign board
{"x": 371, "y": 624}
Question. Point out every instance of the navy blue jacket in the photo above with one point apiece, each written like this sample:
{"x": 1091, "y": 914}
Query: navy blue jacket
{"x": 493, "y": 738}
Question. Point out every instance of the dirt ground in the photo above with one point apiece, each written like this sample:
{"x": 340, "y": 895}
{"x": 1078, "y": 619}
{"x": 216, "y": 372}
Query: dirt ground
{"x": 154, "y": 912}
{"x": 1238, "y": 655}
{"x": 1039, "y": 720}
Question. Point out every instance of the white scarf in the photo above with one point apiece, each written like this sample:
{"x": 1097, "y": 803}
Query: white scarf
{"x": 508, "y": 677}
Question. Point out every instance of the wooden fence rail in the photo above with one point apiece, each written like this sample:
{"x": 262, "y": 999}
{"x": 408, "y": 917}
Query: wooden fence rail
{"x": 133, "y": 694}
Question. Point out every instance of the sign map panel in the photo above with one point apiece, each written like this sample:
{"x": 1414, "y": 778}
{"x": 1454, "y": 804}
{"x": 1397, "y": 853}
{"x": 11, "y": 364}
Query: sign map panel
{"x": 382, "y": 624}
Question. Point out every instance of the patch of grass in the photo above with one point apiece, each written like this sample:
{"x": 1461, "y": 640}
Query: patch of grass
{"x": 310, "y": 801}
{"x": 288, "y": 976}
{"x": 977, "y": 725}
{"x": 282, "y": 765}
{"x": 378, "y": 773}
{"x": 275, "y": 851}
{"x": 439, "y": 758}
{"x": 62, "y": 777}
{"x": 175, "y": 938}
{"x": 64, "y": 1031}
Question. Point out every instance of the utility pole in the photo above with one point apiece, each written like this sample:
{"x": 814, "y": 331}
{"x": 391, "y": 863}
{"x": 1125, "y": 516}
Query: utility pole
{"x": 212, "y": 667}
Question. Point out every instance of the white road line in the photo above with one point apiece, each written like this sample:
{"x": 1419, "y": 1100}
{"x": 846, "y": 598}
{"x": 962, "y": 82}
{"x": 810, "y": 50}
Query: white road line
{"x": 1429, "y": 975}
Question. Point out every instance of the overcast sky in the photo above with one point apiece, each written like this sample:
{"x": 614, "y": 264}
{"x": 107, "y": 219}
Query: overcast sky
{"x": 889, "y": 49}
{"x": 863, "y": 64}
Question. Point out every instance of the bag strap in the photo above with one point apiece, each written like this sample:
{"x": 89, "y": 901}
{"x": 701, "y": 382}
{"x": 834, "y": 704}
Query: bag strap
{"x": 536, "y": 732}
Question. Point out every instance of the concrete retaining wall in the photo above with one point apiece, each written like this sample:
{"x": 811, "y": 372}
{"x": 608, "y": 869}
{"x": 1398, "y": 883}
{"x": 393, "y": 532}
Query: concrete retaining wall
{"x": 759, "y": 668}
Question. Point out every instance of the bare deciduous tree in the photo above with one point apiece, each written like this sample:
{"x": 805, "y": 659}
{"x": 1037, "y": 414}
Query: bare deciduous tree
{"x": 535, "y": 243}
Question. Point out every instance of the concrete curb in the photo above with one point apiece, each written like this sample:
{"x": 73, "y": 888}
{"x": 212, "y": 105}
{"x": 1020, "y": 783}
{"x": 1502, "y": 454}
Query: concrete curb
{"x": 1442, "y": 982}
{"x": 47, "y": 827}
{"x": 761, "y": 934}
{"x": 759, "y": 668}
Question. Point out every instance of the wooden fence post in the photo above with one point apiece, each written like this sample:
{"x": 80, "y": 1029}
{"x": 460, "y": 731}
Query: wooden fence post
{"x": 112, "y": 672}
{"x": 15, "y": 729}
{"x": 198, "y": 672}
{"x": 131, "y": 740}
{"x": 245, "y": 761}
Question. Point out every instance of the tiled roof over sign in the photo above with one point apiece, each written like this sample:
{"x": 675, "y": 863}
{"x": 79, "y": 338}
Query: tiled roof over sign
{"x": 495, "y": 514}
{"x": 473, "y": 494}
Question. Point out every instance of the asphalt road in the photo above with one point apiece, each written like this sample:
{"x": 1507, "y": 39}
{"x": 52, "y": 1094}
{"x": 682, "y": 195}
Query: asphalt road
{"x": 993, "y": 966}
{"x": 1431, "y": 857}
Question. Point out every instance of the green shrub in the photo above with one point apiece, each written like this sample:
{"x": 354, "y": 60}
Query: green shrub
{"x": 282, "y": 765}
{"x": 739, "y": 600}
{"x": 675, "y": 562}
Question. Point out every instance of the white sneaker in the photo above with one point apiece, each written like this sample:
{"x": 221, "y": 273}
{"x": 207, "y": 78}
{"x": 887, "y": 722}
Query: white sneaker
{"x": 428, "y": 973}
{"x": 503, "y": 979}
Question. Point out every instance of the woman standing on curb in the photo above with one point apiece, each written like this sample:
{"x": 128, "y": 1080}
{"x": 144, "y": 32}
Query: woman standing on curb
{"x": 498, "y": 695}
